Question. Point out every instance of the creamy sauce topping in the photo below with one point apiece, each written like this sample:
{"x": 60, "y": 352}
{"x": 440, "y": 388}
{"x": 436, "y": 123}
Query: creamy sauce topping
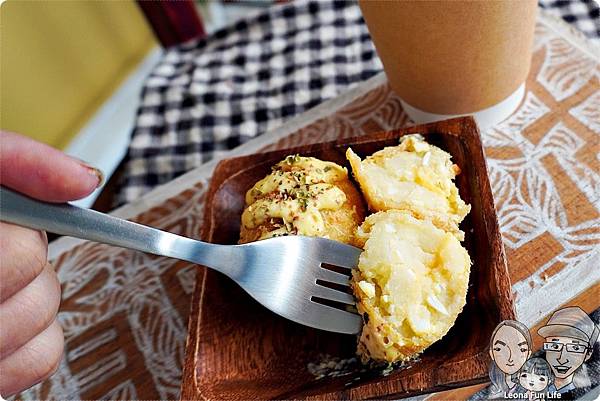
{"x": 293, "y": 196}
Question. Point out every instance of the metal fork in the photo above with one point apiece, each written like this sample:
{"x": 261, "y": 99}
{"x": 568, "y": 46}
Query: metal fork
{"x": 285, "y": 274}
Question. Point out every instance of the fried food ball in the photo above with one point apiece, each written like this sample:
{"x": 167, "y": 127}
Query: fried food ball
{"x": 410, "y": 284}
{"x": 414, "y": 176}
{"x": 303, "y": 196}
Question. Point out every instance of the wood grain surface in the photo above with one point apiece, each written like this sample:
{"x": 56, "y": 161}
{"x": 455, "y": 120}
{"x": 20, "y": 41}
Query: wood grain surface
{"x": 239, "y": 350}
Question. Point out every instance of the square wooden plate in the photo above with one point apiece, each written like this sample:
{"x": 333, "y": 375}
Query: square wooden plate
{"x": 238, "y": 350}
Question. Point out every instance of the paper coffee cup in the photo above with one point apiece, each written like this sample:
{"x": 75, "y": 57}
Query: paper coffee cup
{"x": 452, "y": 58}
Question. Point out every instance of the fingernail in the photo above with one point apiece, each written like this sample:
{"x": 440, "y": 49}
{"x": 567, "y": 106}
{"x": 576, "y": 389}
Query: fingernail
{"x": 97, "y": 173}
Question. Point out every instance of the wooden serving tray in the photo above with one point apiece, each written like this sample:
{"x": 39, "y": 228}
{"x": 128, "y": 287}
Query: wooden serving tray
{"x": 238, "y": 350}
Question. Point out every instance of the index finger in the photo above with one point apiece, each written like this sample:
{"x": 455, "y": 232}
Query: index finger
{"x": 42, "y": 172}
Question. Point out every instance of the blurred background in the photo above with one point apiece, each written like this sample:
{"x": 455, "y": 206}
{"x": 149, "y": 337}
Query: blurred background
{"x": 71, "y": 72}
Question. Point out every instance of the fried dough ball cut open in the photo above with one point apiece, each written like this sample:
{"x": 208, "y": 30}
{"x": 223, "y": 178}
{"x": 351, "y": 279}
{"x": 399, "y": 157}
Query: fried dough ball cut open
{"x": 410, "y": 284}
{"x": 414, "y": 176}
{"x": 303, "y": 196}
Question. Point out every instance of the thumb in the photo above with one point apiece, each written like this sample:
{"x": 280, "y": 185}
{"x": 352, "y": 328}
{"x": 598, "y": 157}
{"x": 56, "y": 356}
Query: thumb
{"x": 42, "y": 172}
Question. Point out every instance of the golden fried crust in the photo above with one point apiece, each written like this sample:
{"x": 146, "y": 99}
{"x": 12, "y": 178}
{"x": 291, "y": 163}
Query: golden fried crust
{"x": 411, "y": 284}
{"x": 342, "y": 223}
{"x": 303, "y": 196}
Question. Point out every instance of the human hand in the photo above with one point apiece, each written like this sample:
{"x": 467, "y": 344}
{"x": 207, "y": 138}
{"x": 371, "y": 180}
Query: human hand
{"x": 31, "y": 339}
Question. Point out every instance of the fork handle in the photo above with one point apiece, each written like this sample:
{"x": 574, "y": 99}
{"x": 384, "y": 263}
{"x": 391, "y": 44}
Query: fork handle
{"x": 66, "y": 219}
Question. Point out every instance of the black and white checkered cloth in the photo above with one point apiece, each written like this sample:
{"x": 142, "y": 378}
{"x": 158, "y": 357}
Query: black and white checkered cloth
{"x": 582, "y": 14}
{"x": 209, "y": 96}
